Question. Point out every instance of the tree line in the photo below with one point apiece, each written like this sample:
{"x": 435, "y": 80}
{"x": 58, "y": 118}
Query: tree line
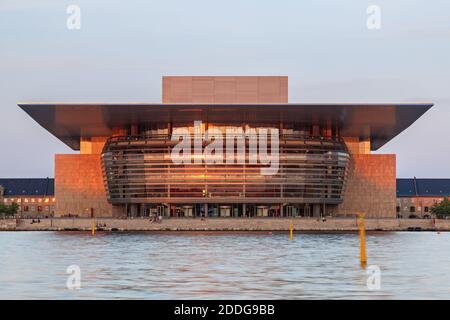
{"x": 8, "y": 211}
{"x": 441, "y": 209}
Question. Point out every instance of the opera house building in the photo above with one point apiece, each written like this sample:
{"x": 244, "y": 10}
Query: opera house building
{"x": 271, "y": 158}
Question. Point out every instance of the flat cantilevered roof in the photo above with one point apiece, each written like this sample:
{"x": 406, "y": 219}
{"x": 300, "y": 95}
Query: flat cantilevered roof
{"x": 71, "y": 121}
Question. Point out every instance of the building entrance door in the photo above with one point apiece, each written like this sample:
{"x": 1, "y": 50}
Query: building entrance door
{"x": 291, "y": 211}
{"x": 307, "y": 210}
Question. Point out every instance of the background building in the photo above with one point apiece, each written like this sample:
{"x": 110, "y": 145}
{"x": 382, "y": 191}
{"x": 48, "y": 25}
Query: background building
{"x": 415, "y": 197}
{"x": 35, "y": 197}
{"x": 124, "y": 166}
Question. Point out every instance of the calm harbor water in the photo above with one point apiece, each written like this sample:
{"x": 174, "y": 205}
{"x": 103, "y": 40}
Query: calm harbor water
{"x": 223, "y": 266}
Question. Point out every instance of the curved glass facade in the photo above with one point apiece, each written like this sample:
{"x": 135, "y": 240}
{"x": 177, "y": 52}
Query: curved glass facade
{"x": 139, "y": 169}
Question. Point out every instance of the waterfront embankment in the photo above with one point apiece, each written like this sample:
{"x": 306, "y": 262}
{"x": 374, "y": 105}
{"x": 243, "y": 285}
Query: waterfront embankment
{"x": 223, "y": 224}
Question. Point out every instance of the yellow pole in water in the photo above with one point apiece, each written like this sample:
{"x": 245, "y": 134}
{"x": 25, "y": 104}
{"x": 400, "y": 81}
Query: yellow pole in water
{"x": 291, "y": 231}
{"x": 362, "y": 240}
{"x": 93, "y": 227}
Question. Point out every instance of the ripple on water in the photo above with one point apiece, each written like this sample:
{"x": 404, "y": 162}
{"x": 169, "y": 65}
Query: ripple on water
{"x": 223, "y": 266}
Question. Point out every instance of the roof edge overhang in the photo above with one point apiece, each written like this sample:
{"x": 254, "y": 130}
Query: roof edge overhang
{"x": 69, "y": 121}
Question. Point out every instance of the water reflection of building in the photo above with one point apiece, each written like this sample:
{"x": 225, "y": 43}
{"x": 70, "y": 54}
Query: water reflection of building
{"x": 415, "y": 197}
{"x": 124, "y": 166}
{"x": 35, "y": 197}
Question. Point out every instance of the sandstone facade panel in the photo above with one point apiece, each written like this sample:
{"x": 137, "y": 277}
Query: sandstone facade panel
{"x": 79, "y": 187}
{"x": 371, "y": 186}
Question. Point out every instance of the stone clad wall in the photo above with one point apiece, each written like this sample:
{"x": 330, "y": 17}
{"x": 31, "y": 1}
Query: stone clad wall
{"x": 357, "y": 146}
{"x": 186, "y": 89}
{"x": 8, "y": 224}
{"x": 237, "y": 224}
{"x": 371, "y": 186}
{"x": 79, "y": 186}
{"x": 93, "y": 145}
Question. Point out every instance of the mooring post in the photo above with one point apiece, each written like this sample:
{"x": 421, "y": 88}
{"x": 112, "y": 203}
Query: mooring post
{"x": 291, "y": 231}
{"x": 93, "y": 222}
{"x": 362, "y": 240}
